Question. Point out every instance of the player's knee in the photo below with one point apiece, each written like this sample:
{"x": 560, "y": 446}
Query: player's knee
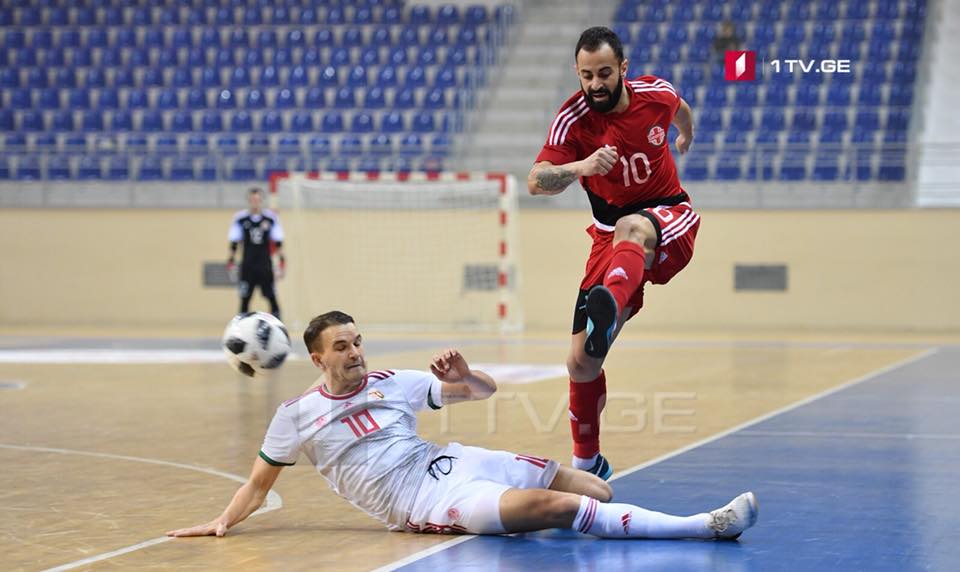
{"x": 582, "y": 368}
{"x": 635, "y": 228}
{"x": 601, "y": 490}
{"x": 557, "y": 507}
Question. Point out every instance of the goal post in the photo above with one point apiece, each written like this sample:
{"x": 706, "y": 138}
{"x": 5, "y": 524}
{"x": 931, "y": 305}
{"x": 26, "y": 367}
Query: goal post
{"x": 403, "y": 251}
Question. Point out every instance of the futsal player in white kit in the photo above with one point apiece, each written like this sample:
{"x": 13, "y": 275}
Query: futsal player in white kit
{"x": 359, "y": 430}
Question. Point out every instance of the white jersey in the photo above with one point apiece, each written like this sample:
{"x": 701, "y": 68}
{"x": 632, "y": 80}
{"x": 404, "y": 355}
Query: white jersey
{"x": 364, "y": 443}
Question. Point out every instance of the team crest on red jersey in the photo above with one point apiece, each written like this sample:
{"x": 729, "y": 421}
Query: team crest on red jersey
{"x": 656, "y": 135}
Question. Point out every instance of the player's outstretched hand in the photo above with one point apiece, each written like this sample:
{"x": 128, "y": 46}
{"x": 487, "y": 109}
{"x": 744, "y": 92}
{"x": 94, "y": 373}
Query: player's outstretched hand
{"x": 683, "y": 143}
{"x": 600, "y": 162}
{"x": 212, "y": 528}
{"x": 450, "y": 366}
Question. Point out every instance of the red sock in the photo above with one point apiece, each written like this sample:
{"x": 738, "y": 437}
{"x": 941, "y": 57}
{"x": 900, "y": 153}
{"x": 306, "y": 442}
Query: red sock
{"x": 625, "y": 272}
{"x": 586, "y": 402}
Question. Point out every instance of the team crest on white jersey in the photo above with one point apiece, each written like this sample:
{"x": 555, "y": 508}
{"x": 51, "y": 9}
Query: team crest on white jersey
{"x": 656, "y": 135}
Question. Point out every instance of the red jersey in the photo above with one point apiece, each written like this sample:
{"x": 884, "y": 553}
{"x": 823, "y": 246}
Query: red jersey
{"x": 646, "y": 172}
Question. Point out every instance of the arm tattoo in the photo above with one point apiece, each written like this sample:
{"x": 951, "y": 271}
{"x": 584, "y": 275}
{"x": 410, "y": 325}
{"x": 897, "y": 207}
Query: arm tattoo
{"x": 554, "y": 179}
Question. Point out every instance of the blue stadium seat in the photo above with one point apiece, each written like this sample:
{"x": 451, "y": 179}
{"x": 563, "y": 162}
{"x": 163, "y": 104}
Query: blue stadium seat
{"x": 826, "y": 166}
{"x": 898, "y": 119}
{"x": 370, "y": 56}
{"x": 696, "y": 168}
{"x": 59, "y": 168}
{"x": 392, "y": 122}
{"x": 241, "y": 122}
{"x": 823, "y": 33}
{"x": 741, "y": 120}
{"x": 272, "y": 122}
{"x": 345, "y": 98}
{"x": 335, "y": 16}
{"x": 351, "y": 145}
{"x": 150, "y": 169}
{"x": 276, "y": 164}
{"x": 288, "y": 145}
{"x": 362, "y": 122}
{"x": 121, "y": 120}
{"x": 808, "y": 95}
{"x": 135, "y": 143}
{"x": 285, "y": 99}
{"x": 166, "y": 144}
{"x": 211, "y": 122}
{"x": 339, "y": 164}
{"x": 381, "y": 145}
{"x": 332, "y": 122}
{"x": 118, "y": 168}
{"x": 729, "y": 167}
{"x": 90, "y": 168}
{"x": 867, "y": 120}
{"x": 405, "y": 98}
{"x": 374, "y": 98}
{"x": 411, "y": 145}
{"x": 299, "y": 77}
{"x": 328, "y": 77}
{"x": 424, "y": 122}
{"x": 208, "y": 169}
{"x": 181, "y": 122}
{"x": 315, "y": 98}
{"x": 804, "y": 119}
{"x": 197, "y": 144}
{"x": 901, "y": 94}
{"x": 7, "y": 120}
{"x": 319, "y": 146}
{"x": 242, "y": 168}
{"x": 835, "y": 120}
{"x": 415, "y": 77}
{"x": 92, "y": 120}
{"x": 63, "y": 120}
{"x": 391, "y": 15}
{"x": 387, "y": 76}
{"x": 228, "y": 144}
{"x": 302, "y": 122}
{"x": 419, "y": 15}
{"x": 711, "y": 120}
{"x": 357, "y": 76}
{"x": 226, "y": 99}
{"x": 258, "y": 144}
{"x": 308, "y": 16}
{"x": 254, "y": 99}
{"x": 368, "y": 165}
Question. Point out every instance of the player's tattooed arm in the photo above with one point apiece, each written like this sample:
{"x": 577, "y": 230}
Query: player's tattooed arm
{"x": 548, "y": 179}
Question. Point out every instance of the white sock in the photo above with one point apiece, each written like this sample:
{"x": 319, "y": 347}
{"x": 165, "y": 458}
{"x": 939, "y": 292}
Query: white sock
{"x": 584, "y": 464}
{"x": 619, "y": 520}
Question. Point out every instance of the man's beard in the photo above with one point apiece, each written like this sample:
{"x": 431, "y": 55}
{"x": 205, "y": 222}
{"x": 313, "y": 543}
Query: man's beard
{"x": 608, "y": 104}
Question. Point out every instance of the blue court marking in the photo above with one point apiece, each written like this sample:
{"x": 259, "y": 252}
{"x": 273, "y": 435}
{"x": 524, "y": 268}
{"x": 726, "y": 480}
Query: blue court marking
{"x": 864, "y": 478}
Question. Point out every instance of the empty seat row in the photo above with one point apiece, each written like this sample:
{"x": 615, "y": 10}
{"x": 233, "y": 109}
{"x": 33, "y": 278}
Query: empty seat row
{"x": 187, "y": 168}
{"x": 262, "y": 38}
{"x": 199, "y": 99}
{"x": 266, "y": 76}
{"x": 243, "y": 121}
{"x": 249, "y": 15}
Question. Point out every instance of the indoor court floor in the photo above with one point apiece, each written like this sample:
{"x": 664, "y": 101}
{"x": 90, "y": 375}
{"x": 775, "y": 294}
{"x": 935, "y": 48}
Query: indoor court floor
{"x": 851, "y": 443}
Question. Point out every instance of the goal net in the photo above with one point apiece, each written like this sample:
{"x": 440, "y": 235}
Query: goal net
{"x": 401, "y": 251}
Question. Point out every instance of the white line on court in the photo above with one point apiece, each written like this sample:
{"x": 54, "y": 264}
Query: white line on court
{"x": 273, "y": 499}
{"x": 440, "y": 547}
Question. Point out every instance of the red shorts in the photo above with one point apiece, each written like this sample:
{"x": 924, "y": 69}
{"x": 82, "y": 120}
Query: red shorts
{"x": 676, "y": 233}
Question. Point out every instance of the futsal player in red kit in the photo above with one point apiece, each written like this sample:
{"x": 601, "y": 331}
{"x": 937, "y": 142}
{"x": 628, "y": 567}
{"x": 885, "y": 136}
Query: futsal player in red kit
{"x": 612, "y": 136}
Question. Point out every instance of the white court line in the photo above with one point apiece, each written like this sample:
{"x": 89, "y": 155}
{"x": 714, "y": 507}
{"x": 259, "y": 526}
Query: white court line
{"x": 273, "y": 499}
{"x": 433, "y": 550}
{"x": 424, "y": 553}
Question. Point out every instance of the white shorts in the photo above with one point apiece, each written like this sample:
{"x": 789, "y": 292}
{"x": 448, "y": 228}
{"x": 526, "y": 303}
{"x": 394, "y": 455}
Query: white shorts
{"x": 462, "y": 495}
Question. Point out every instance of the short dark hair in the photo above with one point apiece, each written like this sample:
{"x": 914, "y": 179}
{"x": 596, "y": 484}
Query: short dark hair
{"x": 321, "y": 323}
{"x": 592, "y": 38}
{"x": 255, "y": 191}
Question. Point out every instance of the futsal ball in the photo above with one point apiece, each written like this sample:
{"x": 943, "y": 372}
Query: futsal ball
{"x": 255, "y": 343}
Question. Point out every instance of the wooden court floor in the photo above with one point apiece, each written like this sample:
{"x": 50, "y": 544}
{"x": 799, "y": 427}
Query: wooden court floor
{"x": 99, "y": 458}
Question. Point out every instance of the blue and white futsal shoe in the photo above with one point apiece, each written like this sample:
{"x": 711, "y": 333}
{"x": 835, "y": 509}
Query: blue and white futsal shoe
{"x": 730, "y": 521}
{"x": 601, "y": 321}
{"x": 601, "y": 468}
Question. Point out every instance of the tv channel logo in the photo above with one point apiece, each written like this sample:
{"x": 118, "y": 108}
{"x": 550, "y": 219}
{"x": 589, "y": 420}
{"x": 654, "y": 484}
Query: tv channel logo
{"x": 740, "y": 65}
